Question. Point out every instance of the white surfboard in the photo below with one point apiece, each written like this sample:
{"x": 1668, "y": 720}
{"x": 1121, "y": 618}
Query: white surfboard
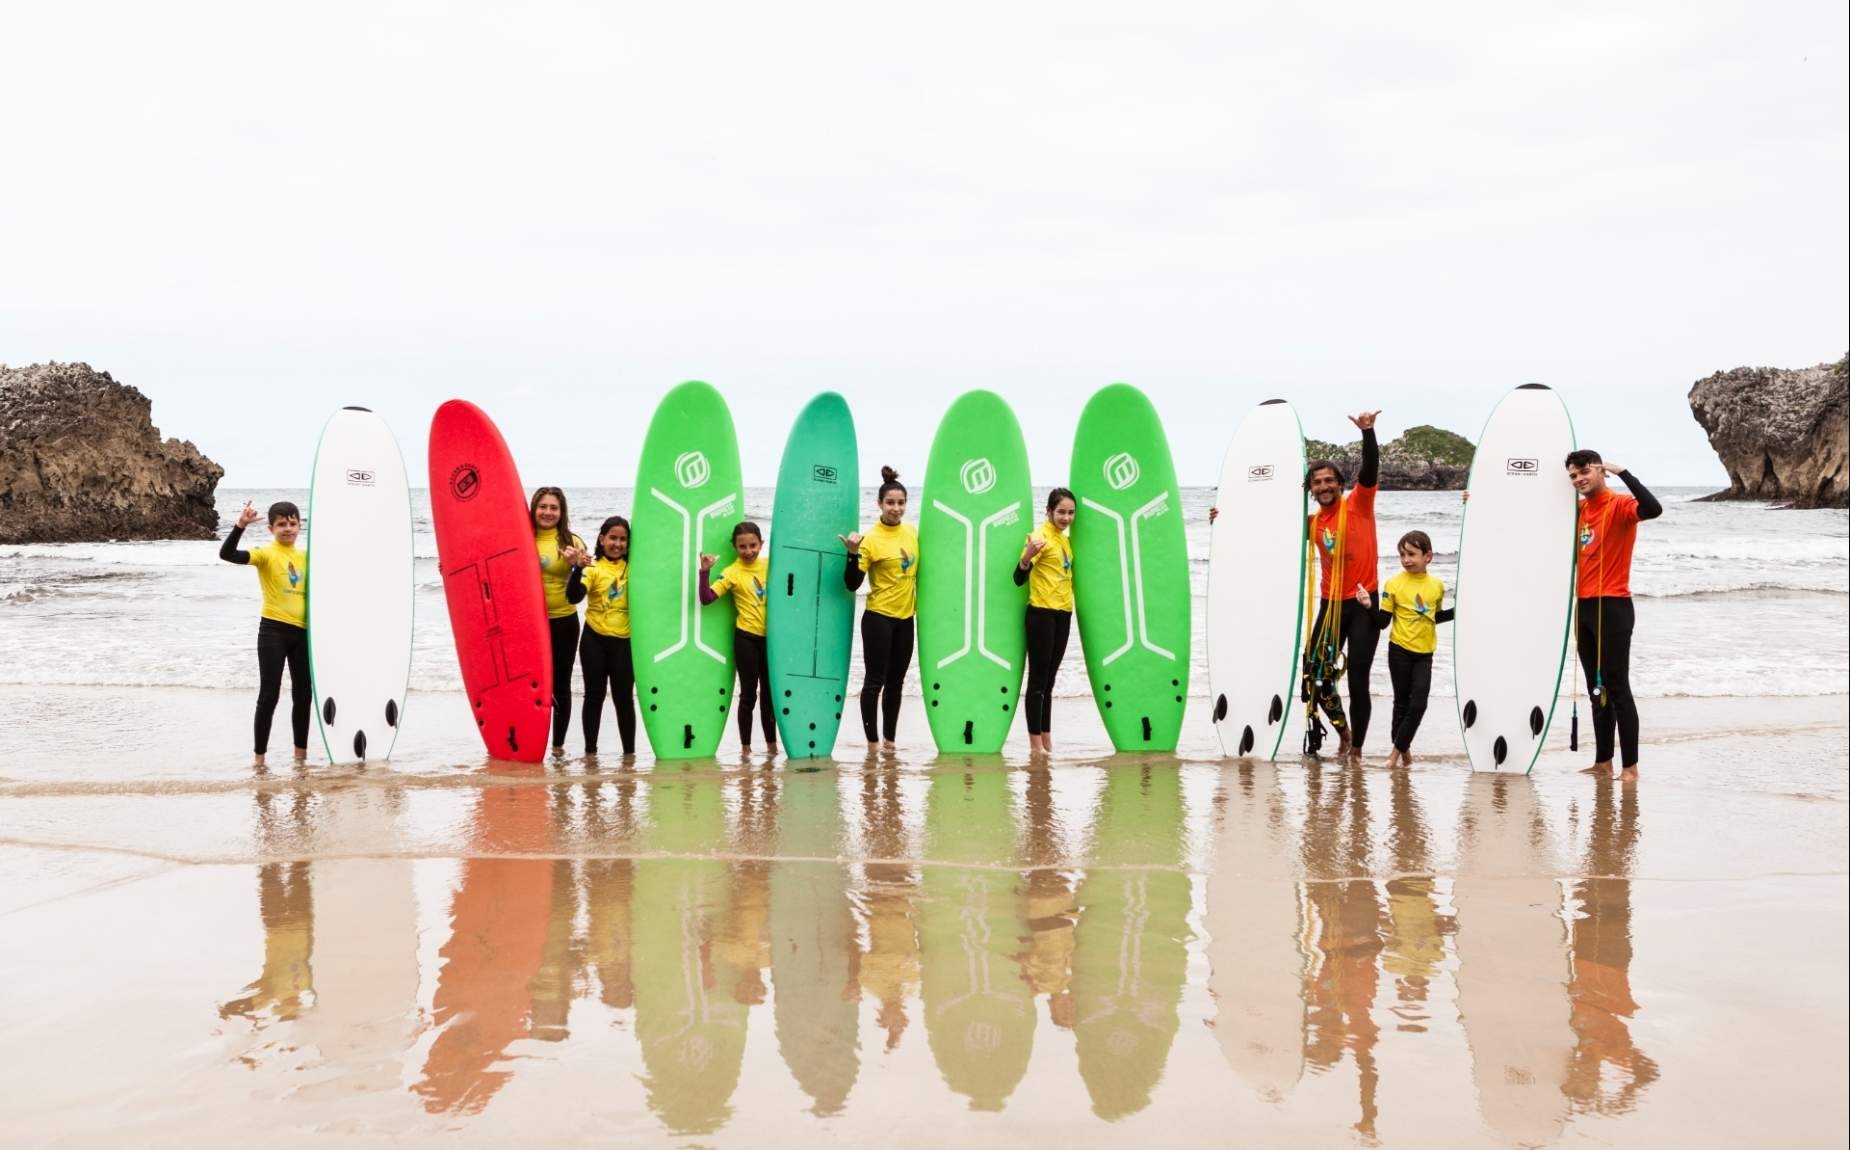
{"x": 359, "y": 586}
{"x": 1256, "y": 570}
{"x": 1515, "y": 591}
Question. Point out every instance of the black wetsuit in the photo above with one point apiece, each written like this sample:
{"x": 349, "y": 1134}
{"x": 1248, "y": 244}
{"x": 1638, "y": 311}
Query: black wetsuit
{"x": 1411, "y": 674}
{"x": 1357, "y": 638}
{"x": 279, "y": 644}
{"x": 886, "y": 646}
{"x": 1607, "y": 660}
{"x": 1048, "y": 631}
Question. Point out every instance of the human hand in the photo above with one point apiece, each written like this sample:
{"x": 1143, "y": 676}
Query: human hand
{"x": 852, "y": 541}
{"x": 1365, "y": 420}
{"x": 706, "y": 562}
{"x": 1612, "y": 469}
{"x": 248, "y": 515}
{"x": 1363, "y": 597}
{"x": 1464, "y": 496}
{"x": 1033, "y": 547}
{"x": 1213, "y": 514}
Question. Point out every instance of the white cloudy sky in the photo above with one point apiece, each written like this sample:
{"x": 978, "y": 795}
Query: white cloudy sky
{"x": 256, "y": 213}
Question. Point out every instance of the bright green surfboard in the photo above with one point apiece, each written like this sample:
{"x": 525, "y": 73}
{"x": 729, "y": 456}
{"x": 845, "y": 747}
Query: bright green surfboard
{"x": 977, "y": 508}
{"x": 809, "y": 611}
{"x": 1130, "y": 570}
{"x": 688, "y": 496}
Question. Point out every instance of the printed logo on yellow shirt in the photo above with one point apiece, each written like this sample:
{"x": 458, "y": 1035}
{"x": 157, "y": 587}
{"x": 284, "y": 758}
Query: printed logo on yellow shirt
{"x": 294, "y": 575}
{"x": 758, "y": 587}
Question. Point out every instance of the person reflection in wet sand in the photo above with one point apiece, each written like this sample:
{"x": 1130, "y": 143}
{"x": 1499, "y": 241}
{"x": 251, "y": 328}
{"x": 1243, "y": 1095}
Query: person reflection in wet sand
{"x": 1512, "y": 960}
{"x": 609, "y": 884}
{"x": 1340, "y": 991}
{"x": 1255, "y": 921}
{"x": 979, "y": 1012}
{"x": 889, "y": 971}
{"x": 286, "y": 906}
{"x": 1600, "y": 990}
{"x": 1130, "y": 949}
{"x": 1416, "y": 930}
{"x": 690, "y": 1021}
{"x": 563, "y": 958}
{"x": 746, "y": 942}
{"x": 1053, "y": 910}
{"x": 815, "y": 952}
{"x": 498, "y": 931}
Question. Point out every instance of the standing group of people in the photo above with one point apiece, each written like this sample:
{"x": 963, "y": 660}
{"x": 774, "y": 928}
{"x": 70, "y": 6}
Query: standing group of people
{"x": 1353, "y": 610}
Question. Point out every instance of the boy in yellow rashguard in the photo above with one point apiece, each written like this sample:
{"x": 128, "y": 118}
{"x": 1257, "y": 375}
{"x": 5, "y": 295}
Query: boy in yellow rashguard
{"x": 745, "y": 579}
{"x": 282, "y": 633}
{"x": 1413, "y": 605}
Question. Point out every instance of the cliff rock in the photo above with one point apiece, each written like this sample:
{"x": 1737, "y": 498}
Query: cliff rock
{"x": 1424, "y": 458}
{"x": 81, "y": 459}
{"x": 1782, "y": 434}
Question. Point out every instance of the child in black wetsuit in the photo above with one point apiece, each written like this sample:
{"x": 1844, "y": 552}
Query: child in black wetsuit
{"x": 282, "y": 633}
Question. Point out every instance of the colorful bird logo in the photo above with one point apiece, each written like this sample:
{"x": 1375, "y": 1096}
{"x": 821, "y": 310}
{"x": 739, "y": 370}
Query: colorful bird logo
{"x": 1329, "y": 539}
{"x": 1419, "y": 601}
{"x": 905, "y": 560}
{"x": 615, "y": 593}
{"x": 757, "y": 587}
{"x": 1586, "y": 536}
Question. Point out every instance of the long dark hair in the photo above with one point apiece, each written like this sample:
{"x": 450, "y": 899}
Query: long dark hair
{"x": 1057, "y": 494}
{"x": 564, "y": 530}
{"x": 889, "y": 481}
{"x": 604, "y": 529}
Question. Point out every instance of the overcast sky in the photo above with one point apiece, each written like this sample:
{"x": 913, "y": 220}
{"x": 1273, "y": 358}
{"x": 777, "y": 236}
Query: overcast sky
{"x": 256, "y": 213}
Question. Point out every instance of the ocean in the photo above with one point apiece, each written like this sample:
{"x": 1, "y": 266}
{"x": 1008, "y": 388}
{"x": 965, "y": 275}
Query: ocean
{"x": 1733, "y": 599}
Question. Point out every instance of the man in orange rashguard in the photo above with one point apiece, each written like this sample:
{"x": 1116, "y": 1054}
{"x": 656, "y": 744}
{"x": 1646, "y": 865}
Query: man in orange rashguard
{"x": 1342, "y": 532}
{"x": 1608, "y": 527}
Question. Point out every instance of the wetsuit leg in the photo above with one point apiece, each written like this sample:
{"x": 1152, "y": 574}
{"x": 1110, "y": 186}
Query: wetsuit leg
{"x": 897, "y": 665}
{"x": 1319, "y": 660}
{"x": 1040, "y": 626}
{"x": 272, "y": 654}
{"x": 594, "y": 664}
{"x": 564, "y": 643}
{"x": 1361, "y": 635}
{"x": 748, "y": 654}
{"x": 301, "y": 686}
{"x": 1412, "y": 675}
{"x": 1062, "y": 631}
{"x": 876, "y": 650}
{"x": 623, "y": 691}
{"x": 1619, "y": 620}
{"x": 1400, "y": 673}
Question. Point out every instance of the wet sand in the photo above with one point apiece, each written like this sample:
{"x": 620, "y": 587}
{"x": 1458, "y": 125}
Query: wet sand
{"x": 916, "y": 951}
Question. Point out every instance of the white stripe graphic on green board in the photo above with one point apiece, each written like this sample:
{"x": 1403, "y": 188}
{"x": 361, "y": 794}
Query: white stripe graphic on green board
{"x": 690, "y": 566}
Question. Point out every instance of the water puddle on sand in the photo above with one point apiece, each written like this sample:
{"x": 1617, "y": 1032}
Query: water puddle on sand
{"x": 968, "y": 953}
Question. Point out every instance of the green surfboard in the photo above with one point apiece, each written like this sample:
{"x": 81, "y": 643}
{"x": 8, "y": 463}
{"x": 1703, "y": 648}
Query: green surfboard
{"x": 688, "y": 496}
{"x": 1130, "y": 570}
{"x": 977, "y": 508}
{"x": 809, "y": 611}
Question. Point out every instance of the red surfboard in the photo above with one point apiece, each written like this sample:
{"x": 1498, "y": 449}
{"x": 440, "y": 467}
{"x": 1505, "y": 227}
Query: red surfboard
{"x": 491, "y": 578}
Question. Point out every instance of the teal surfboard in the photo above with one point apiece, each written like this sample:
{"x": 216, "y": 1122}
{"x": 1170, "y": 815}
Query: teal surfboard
{"x": 809, "y": 611}
{"x": 1130, "y": 570}
{"x": 688, "y": 496}
{"x": 976, "y": 510}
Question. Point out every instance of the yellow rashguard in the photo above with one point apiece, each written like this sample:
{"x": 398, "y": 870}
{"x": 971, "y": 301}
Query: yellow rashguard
{"x": 1414, "y": 602}
{"x": 890, "y": 556}
{"x": 607, "y": 597}
{"x": 282, "y": 572}
{"x": 746, "y": 583}
{"x": 554, "y": 572}
{"x": 1050, "y": 577}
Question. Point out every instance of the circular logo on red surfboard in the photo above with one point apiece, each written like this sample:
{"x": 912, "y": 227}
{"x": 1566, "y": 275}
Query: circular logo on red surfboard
{"x": 465, "y": 481}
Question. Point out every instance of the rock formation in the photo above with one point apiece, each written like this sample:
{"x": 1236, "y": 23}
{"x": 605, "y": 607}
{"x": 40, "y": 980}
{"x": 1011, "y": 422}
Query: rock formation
{"x": 1782, "y": 434}
{"x": 80, "y": 459}
{"x": 1424, "y": 458}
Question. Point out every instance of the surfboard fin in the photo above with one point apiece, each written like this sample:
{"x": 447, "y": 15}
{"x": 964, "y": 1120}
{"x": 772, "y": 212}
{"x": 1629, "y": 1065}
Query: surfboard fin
{"x": 359, "y": 745}
{"x": 1277, "y": 712}
{"x": 1220, "y": 709}
{"x": 327, "y": 711}
{"x": 1246, "y": 741}
{"x": 391, "y": 712}
{"x": 969, "y": 731}
{"x": 1536, "y": 719}
{"x": 1470, "y": 713}
{"x": 1500, "y": 750}
{"x": 1146, "y": 728}
{"x": 687, "y": 735}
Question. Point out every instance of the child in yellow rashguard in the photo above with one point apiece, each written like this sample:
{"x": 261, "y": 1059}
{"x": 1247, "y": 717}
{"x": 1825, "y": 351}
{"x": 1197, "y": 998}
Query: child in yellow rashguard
{"x": 604, "y": 651}
{"x": 745, "y": 579}
{"x": 560, "y": 553}
{"x": 1413, "y": 605}
{"x": 889, "y": 552}
{"x": 282, "y": 633}
{"x": 1046, "y": 566}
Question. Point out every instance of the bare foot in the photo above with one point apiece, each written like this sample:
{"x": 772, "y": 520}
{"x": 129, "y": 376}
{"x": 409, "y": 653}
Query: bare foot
{"x": 1629, "y": 774}
{"x": 889, "y": 746}
{"x": 770, "y": 751}
{"x": 1604, "y": 768}
{"x": 256, "y": 760}
{"x": 1393, "y": 759}
{"x": 301, "y": 754}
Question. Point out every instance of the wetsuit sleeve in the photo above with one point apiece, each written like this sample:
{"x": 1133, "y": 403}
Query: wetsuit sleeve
{"x": 852, "y": 575}
{"x": 1648, "y": 506}
{"x": 1444, "y": 615}
{"x": 1371, "y": 460}
{"x": 1384, "y": 618}
{"x": 575, "y": 586}
{"x": 230, "y": 552}
{"x": 709, "y": 592}
{"x": 1021, "y": 573}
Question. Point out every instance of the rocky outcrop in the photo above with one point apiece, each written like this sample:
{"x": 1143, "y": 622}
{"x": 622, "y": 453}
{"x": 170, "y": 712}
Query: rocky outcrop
{"x": 80, "y": 459}
{"x": 1424, "y": 458}
{"x": 1782, "y": 434}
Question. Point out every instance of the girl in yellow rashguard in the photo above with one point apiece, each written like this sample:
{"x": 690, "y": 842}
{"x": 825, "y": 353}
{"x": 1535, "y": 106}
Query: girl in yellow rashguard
{"x": 1046, "y": 566}
{"x": 282, "y": 633}
{"x": 745, "y": 579}
{"x": 560, "y": 552}
{"x": 604, "y": 652}
{"x": 889, "y": 552}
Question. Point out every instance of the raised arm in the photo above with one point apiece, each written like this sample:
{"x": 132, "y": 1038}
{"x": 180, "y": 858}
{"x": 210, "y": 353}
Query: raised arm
{"x": 1648, "y": 506}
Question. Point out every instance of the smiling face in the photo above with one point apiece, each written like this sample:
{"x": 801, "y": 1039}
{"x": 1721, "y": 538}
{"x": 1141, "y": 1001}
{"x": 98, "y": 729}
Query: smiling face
{"x": 614, "y": 544}
{"x": 1412, "y": 560}
{"x": 748, "y": 546}
{"x": 1062, "y": 514}
{"x": 285, "y": 530}
{"x": 1325, "y": 487}
{"x": 892, "y": 508}
{"x": 1588, "y": 478}
{"x": 546, "y": 512}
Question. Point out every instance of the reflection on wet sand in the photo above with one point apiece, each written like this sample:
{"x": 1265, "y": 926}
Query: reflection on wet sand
{"x": 1601, "y": 991}
{"x": 1257, "y": 957}
{"x": 1053, "y": 908}
{"x": 499, "y": 916}
{"x": 285, "y": 904}
{"x": 1130, "y": 950}
{"x": 815, "y": 956}
{"x": 890, "y": 967}
{"x": 979, "y": 1010}
{"x": 1512, "y": 960}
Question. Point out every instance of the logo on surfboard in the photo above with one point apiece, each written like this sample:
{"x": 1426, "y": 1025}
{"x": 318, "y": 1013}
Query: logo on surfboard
{"x": 465, "y": 481}
{"x": 359, "y": 478}
{"x": 1523, "y": 467}
{"x": 692, "y": 470}
{"x": 1259, "y": 473}
{"x": 822, "y": 473}
{"x": 1121, "y": 470}
{"x": 978, "y": 476}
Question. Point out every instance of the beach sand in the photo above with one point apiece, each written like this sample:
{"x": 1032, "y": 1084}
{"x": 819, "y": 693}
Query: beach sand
{"x": 919, "y": 951}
